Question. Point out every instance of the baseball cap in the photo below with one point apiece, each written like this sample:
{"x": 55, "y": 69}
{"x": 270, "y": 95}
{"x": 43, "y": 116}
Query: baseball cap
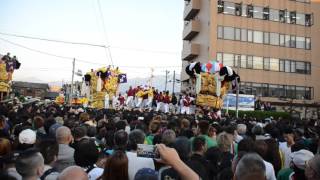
{"x": 300, "y": 158}
{"x": 146, "y": 174}
{"x": 27, "y": 136}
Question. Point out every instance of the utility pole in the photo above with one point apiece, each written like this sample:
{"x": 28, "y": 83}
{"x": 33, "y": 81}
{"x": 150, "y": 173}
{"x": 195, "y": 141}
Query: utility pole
{"x": 237, "y": 89}
{"x": 173, "y": 81}
{"x": 72, "y": 78}
{"x": 165, "y": 87}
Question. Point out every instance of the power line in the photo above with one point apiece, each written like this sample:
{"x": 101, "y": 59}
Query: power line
{"x": 105, "y": 32}
{"x": 54, "y": 40}
{"x": 81, "y": 60}
{"x": 86, "y": 44}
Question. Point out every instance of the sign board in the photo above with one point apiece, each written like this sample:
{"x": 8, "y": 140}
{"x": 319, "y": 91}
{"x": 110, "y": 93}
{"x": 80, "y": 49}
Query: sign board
{"x": 246, "y": 102}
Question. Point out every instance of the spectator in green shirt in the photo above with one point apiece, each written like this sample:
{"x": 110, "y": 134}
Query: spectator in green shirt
{"x": 203, "y": 130}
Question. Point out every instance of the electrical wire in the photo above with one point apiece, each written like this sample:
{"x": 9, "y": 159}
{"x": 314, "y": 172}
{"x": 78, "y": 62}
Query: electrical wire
{"x": 54, "y": 40}
{"x": 82, "y": 60}
{"x": 105, "y": 33}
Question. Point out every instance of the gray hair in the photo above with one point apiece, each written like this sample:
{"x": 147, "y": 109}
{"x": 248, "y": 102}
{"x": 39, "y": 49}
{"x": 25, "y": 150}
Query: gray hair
{"x": 250, "y": 166}
{"x": 62, "y": 134}
{"x": 28, "y": 163}
{"x": 241, "y": 129}
{"x": 168, "y": 137}
{"x": 136, "y": 137}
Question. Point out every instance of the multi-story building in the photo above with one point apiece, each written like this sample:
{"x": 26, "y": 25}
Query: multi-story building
{"x": 273, "y": 44}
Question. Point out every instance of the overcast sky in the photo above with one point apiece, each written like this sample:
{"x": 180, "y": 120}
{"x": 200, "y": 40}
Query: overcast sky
{"x": 141, "y": 33}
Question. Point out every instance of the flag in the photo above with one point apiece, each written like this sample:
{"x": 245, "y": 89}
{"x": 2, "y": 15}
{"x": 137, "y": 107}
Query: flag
{"x": 122, "y": 78}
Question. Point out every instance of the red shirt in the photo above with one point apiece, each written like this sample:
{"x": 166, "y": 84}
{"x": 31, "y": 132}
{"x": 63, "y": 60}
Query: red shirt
{"x": 160, "y": 98}
{"x": 131, "y": 92}
{"x": 186, "y": 101}
{"x": 166, "y": 99}
{"x": 121, "y": 99}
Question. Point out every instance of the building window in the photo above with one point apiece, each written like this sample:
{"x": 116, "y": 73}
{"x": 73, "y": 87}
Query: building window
{"x": 219, "y": 57}
{"x": 281, "y": 65}
{"x": 228, "y": 59}
{"x": 243, "y": 61}
{"x": 290, "y": 92}
{"x": 293, "y": 66}
{"x": 266, "y": 13}
{"x": 244, "y": 35}
{"x": 300, "y": 42}
{"x": 282, "y": 40}
{"x": 308, "y": 93}
{"x": 266, "y": 64}
{"x": 300, "y": 92}
{"x": 249, "y": 11}
{"x": 274, "y": 64}
{"x": 301, "y": 67}
{"x": 308, "y": 43}
{"x": 273, "y": 90}
{"x": 301, "y": 19}
{"x": 293, "y": 18}
{"x": 257, "y": 89}
{"x": 220, "y": 6}
{"x": 287, "y": 40}
{"x": 249, "y": 62}
{"x": 257, "y": 62}
{"x": 220, "y": 32}
{"x": 244, "y": 10}
{"x": 274, "y": 39}
{"x": 266, "y": 38}
{"x": 257, "y": 12}
{"x": 258, "y": 37}
{"x": 308, "y": 20}
{"x": 250, "y": 38}
{"x": 229, "y": 8}
{"x": 228, "y": 33}
{"x": 287, "y": 67}
{"x": 288, "y": 17}
{"x": 237, "y": 59}
{"x": 274, "y": 15}
{"x": 238, "y": 9}
{"x": 237, "y": 34}
{"x": 293, "y": 41}
{"x": 308, "y": 68}
{"x": 282, "y": 16}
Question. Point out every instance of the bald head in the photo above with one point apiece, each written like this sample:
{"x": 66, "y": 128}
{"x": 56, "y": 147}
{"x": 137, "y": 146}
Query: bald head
{"x": 63, "y": 135}
{"x": 73, "y": 172}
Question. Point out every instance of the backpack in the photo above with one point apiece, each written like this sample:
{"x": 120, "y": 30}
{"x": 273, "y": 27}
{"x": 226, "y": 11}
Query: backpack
{"x": 47, "y": 172}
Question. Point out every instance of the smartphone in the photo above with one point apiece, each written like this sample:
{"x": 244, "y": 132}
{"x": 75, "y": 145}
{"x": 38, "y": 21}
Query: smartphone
{"x": 147, "y": 151}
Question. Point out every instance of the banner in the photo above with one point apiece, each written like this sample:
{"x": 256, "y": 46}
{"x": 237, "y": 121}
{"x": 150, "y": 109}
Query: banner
{"x": 122, "y": 78}
{"x": 246, "y": 102}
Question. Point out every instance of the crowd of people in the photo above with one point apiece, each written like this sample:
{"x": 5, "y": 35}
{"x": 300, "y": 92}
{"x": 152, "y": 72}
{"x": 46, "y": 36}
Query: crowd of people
{"x": 48, "y": 141}
{"x": 146, "y": 97}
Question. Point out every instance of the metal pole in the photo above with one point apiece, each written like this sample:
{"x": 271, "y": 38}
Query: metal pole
{"x": 237, "y": 88}
{"x": 173, "y": 81}
{"x": 165, "y": 87}
{"x": 72, "y": 78}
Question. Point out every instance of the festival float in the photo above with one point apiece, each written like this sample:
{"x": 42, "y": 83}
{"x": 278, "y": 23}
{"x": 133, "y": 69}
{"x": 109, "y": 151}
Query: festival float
{"x": 101, "y": 85}
{"x": 7, "y": 67}
{"x": 212, "y": 82}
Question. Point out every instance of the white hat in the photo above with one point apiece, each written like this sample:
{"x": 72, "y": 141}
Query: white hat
{"x": 27, "y": 136}
{"x": 300, "y": 158}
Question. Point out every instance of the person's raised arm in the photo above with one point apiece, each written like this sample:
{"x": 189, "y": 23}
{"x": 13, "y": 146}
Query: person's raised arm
{"x": 170, "y": 157}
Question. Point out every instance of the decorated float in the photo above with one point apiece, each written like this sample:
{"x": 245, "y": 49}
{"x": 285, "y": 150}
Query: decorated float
{"x": 7, "y": 67}
{"x": 101, "y": 85}
{"x": 212, "y": 82}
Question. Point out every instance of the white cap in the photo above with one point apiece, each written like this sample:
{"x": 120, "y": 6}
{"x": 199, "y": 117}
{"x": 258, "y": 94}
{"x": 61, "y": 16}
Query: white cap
{"x": 27, "y": 136}
{"x": 300, "y": 158}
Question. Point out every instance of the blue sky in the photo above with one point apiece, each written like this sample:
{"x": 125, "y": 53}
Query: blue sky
{"x": 143, "y": 33}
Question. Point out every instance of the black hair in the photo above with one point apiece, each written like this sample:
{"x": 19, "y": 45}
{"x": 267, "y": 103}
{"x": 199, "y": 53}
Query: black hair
{"x": 198, "y": 142}
{"x": 86, "y": 154}
{"x": 48, "y": 148}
